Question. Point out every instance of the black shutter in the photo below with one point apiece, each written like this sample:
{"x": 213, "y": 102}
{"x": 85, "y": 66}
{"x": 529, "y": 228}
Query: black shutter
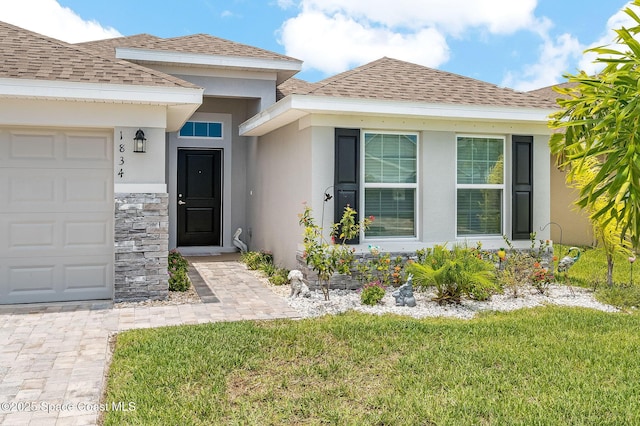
{"x": 522, "y": 187}
{"x": 346, "y": 184}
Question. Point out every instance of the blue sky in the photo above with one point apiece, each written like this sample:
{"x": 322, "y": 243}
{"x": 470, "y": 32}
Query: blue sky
{"x": 524, "y": 44}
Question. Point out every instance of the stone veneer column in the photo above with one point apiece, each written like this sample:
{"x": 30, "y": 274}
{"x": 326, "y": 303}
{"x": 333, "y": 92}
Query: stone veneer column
{"x": 141, "y": 246}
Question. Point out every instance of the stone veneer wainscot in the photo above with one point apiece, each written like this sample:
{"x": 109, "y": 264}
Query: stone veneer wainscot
{"x": 141, "y": 246}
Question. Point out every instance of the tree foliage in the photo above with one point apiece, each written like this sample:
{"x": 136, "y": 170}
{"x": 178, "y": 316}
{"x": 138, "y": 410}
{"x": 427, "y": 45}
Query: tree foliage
{"x": 600, "y": 122}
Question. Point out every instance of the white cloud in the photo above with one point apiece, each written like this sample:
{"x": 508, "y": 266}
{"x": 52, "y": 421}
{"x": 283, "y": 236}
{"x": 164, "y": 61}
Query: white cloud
{"x": 450, "y": 16}
{"x": 344, "y": 43}
{"x": 554, "y": 60}
{"x": 617, "y": 21}
{"x": 566, "y": 54}
{"x": 334, "y": 35}
{"x": 53, "y": 20}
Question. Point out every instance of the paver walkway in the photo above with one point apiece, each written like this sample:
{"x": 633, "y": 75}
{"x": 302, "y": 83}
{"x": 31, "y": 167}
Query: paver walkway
{"x": 53, "y": 357}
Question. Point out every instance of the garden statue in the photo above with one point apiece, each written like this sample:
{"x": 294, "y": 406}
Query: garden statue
{"x": 404, "y": 294}
{"x": 566, "y": 263}
{"x": 238, "y": 242}
{"x": 298, "y": 286}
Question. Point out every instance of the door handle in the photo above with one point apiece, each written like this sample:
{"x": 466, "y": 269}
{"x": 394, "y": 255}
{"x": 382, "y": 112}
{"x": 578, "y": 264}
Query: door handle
{"x": 181, "y": 203}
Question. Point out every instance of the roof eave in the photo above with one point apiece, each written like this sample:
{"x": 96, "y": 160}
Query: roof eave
{"x": 293, "y": 107}
{"x": 284, "y": 68}
{"x": 99, "y": 92}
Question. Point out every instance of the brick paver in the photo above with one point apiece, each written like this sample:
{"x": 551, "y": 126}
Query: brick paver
{"x": 54, "y": 356}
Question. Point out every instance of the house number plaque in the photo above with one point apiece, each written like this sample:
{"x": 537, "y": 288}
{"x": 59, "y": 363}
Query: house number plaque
{"x": 121, "y": 150}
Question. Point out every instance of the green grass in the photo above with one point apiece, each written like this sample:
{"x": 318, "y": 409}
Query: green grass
{"x": 591, "y": 269}
{"x": 543, "y": 366}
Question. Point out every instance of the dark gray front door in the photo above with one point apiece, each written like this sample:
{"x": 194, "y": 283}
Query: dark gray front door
{"x": 199, "y": 197}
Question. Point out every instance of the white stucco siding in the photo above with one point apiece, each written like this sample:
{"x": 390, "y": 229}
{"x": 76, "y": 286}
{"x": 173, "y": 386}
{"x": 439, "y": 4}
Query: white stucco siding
{"x": 437, "y": 186}
{"x": 541, "y": 187}
{"x": 282, "y": 180}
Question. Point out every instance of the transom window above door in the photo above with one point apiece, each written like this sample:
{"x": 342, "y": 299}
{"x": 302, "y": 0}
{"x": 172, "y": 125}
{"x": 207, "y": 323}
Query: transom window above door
{"x": 201, "y": 129}
{"x": 390, "y": 183}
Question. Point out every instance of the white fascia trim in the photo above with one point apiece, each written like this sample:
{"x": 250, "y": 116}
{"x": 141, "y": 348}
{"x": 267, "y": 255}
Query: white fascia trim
{"x": 306, "y": 104}
{"x": 99, "y": 92}
{"x": 147, "y": 55}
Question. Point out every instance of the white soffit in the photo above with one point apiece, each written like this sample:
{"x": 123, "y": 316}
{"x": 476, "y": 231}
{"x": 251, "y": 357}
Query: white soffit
{"x": 294, "y": 107}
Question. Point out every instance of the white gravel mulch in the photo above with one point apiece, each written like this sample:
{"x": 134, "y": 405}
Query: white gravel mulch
{"x": 345, "y": 300}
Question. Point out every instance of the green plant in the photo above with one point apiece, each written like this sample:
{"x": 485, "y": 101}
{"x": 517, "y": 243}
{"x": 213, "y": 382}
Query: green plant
{"x": 599, "y": 123}
{"x": 541, "y": 278}
{"x": 268, "y": 268}
{"x": 255, "y": 259}
{"x": 177, "y": 267}
{"x": 279, "y": 276}
{"x": 455, "y": 273}
{"x": 325, "y": 258}
{"x": 372, "y": 293}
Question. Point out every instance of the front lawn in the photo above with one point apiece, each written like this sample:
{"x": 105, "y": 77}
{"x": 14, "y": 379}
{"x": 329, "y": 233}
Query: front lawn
{"x": 534, "y": 366}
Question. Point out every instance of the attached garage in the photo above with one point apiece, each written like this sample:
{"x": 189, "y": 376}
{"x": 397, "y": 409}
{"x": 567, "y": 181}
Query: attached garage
{"x": 56, "y": 215}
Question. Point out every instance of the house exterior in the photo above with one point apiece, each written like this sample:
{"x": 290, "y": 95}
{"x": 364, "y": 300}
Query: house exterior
{"x": 573, "y": 225}
{"x": 233, "y": 141}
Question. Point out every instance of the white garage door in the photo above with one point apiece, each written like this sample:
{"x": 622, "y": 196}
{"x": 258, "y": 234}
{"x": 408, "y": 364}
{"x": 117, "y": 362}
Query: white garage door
{"x": 56, "y": 215}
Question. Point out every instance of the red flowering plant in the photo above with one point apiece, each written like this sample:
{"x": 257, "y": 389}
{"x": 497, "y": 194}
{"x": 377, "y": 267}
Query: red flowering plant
{"x": 541, "y": 278}
{"x": 327, "y": 258}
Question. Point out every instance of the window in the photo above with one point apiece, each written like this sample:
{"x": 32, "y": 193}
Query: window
{"x": 198, "y": 129}
{"x": 480, "y": 185}
{"x": 390, "y": 183}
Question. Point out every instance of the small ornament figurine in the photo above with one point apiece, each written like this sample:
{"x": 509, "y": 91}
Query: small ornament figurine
{"x": 404, "y": 294}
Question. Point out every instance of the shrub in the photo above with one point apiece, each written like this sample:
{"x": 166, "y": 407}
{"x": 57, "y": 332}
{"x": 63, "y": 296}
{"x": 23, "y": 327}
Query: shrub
{"x": 268, "y": 268}
{"x": 263, "y": 261}
{"x": 454, "y": 273}
{"x": 177, "y": 268}
{"x": 279, "y": 277}
{"x": 372, "y": 293}
{"x": 255, "y": 259}
{"x": 327, "y": 258}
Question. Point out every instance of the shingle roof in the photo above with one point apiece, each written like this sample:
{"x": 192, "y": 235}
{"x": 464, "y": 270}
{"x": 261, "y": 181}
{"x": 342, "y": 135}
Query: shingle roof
{"x": 197, "y": 43}
{"x": 28, "y": 55}
{"x": 395, "y": 80}
{"x": 107, "y": 47}
{"x": 293, "y": 85}
{"x": 550, "y": 94}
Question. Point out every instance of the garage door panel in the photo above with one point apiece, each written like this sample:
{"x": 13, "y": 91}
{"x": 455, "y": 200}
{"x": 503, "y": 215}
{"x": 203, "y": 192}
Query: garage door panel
{"x": 41, "y": 147}
{"x": 58, "y": 234}
{"x": 56, "y": 149}
{"x": 55, "y": 190}
{"x": 56, "y": 215}
{"x": 88, "y": 149}
{"x": 29, "y": 280}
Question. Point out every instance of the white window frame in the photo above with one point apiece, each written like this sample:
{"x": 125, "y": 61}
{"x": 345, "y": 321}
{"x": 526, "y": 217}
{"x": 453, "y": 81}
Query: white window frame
{"x": 364, "y": 185}
{"x": 503, "y": 221}
{"x": 203, "y": 137}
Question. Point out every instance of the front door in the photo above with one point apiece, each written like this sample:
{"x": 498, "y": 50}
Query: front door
{"x": 199, "y": 197}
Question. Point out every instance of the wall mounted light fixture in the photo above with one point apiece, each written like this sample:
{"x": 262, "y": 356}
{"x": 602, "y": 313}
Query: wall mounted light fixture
{"x": 139, "y": 142}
